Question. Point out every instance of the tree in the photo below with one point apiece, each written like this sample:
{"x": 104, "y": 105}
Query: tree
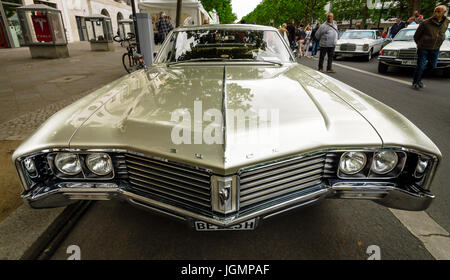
{"x": 282, "y": 11}
{"x": 223, "y": 8}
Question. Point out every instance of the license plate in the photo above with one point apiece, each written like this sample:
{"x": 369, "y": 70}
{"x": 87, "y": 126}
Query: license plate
{"x": 409, "y": 62}
{"x": 203, "y": 226}
{"x": 346, "y": 54}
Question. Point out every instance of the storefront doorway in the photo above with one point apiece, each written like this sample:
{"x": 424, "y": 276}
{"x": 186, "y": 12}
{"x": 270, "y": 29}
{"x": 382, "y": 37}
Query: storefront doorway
{"x": 3, "y": 40}
{"x": 10, "y": 31}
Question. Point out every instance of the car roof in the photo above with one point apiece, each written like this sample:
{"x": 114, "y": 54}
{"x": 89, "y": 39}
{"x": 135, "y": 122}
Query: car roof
{"x": 361, "y": 30}
{"x": 226, "y": 27}
{"x": 414, "y": 26}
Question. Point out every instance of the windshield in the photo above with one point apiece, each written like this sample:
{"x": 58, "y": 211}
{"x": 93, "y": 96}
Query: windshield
{"x": 224, "y": 45}
{"x": 358, "y": 35}
{"x": 405, "y": 35}
{"x": 408, "y": 34}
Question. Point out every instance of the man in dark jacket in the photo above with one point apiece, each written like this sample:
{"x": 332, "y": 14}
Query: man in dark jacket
{"x": 429, "y": 37}
{"x": 399, "y": 25}
{"x": 291, "y": 30}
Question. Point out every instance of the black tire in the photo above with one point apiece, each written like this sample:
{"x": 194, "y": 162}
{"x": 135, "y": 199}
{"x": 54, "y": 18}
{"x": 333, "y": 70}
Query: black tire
{"x": 382, "y": 68}
{"x": 128, "y": 63}
{"x": 369, "y": 56}
{"x": 446, "y": 72}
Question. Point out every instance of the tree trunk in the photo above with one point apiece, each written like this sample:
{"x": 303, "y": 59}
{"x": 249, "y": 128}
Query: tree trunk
{"x": 414, "y": 5}
{"x": 365, "y": 15}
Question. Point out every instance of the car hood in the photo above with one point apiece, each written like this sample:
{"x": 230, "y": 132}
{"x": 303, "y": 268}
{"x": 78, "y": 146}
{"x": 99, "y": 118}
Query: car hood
{"x": 294, "y": 112}
{"x": 355, "y": 41}
{"x": 398, "y": 45}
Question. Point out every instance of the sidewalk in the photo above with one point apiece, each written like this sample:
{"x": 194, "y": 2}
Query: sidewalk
{"x": 31, "y": 90}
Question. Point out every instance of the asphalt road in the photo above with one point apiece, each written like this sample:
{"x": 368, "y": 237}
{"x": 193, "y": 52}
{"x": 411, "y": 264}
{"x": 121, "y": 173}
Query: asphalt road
{"x": 332, "y": 229}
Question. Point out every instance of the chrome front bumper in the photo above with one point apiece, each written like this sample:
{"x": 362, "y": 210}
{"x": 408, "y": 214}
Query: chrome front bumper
{"x": 388, "y": 195}
{"x": 393, "y": 61}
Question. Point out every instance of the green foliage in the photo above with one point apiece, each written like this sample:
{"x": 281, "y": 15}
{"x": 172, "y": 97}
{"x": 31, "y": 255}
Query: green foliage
{"x": 223, "y": 8}
{"x": 282, "y": 11}
{"x": 353, "y": 9}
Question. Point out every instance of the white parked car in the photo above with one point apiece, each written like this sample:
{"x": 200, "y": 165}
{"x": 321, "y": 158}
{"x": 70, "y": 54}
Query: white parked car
{"x": 359, "y": 43}
{"x": 402, "y": 52}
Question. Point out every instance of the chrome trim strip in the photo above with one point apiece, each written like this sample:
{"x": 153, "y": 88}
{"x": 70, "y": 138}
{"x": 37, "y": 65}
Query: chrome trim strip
{"x": 269, "y": 195}
{"x": 315, "y": 174}
{"x": 171, "y": 195}
{"x": 152, "y": 185}
{"x": 245, "y": 177}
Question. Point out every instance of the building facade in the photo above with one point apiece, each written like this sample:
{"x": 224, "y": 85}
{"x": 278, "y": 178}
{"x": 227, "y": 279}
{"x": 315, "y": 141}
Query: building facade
{"x": 72, "y": 11}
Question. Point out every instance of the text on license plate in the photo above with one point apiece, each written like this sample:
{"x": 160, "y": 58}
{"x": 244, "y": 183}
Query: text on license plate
{"x": 247, "y": 225}
{"x": 409, "y": 62}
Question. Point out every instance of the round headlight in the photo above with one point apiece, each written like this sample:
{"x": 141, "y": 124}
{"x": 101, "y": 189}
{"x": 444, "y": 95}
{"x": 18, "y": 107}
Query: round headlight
{"x": 29, "y": 165}
{"x": 352, "y": 162}
{"x": 384, "y": 162}
{"x": 99, "y": 164}
{"x": 67, "y": 163}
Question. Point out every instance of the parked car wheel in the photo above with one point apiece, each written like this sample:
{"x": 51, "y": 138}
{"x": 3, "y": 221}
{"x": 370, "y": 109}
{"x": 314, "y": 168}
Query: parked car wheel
{"x": 369, "y": 56}
{"x": 382, "y": 68}
{"x": 447, "y": 72}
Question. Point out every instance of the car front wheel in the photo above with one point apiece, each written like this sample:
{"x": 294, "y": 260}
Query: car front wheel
{"x": 369, "y": 56}
{"x": 382, "y": 68}
{"x": 447, "y": 72}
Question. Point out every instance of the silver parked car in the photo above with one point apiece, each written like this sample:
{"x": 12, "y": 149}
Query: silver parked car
{"x": 402, "y": 52}
{"x": 364, "y": 43}
{"x": 224, "y": 130}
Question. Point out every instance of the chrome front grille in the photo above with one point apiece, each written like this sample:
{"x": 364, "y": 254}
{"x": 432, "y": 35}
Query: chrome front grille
{"x": 176, "y": 184}
{"x": 410, "y": 54}
{"x": 281, "y": 178}
{"x": 348, "y": 47}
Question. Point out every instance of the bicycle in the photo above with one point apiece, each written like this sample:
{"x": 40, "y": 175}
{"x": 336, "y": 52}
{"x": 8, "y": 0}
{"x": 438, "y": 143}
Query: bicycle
{"x": 131, "y": 60}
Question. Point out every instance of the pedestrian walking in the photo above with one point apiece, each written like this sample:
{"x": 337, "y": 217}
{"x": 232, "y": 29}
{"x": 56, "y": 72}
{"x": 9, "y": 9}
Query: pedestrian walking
{"x": 315, "y": 45}
{"x": 394, "y": 29}
{"x": 291, "y": 29}
{"x": 301, "y": 35}
{"x": 308, "y": 32}
{"x": 164, "y": 26}
{"x": 429, "y": 37}
{"x": 327, "y": 34}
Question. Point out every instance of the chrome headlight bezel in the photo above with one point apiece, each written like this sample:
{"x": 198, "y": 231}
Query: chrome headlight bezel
{"x": 91, "y": 166}
{"x": 392, "y": 53}
{"x": 444, "y": 54}
{"x": 75, "y": 159}
{"x": 378, "y": 157}
{"x": 368, "y": 173}
{"x": 350, "y": 154}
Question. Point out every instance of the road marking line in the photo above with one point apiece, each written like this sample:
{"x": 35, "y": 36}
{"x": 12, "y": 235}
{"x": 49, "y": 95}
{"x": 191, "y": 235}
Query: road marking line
{"x": 435, "y": 238}
{"x": 371, "y": 74}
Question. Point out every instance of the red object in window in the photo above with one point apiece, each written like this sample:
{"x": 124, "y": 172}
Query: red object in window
{"x": 42, "y": 28}
{"x": 3, "y": 42}
{"x": 384, "y": 35}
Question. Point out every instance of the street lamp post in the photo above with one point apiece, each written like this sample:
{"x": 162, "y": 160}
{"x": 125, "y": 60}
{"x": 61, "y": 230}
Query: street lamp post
{"x": 133, "y": 9}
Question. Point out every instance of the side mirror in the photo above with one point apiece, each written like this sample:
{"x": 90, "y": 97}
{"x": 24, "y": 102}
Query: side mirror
{"x": 154, "y": 54}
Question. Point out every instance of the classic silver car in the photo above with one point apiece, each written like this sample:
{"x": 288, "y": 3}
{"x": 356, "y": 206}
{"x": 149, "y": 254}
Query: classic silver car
{"x": 360, "y": 43}
{"x": 224, "y": 130}
{"x": 402, "y": 52}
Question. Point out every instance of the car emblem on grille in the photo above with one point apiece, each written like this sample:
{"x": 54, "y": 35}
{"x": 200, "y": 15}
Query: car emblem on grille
{"x": 224, "y": 194}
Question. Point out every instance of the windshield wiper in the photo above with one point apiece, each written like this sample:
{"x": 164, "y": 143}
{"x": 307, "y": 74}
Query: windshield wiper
{"x": 197, "y": 60}
{"x": 222, "y": 60}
